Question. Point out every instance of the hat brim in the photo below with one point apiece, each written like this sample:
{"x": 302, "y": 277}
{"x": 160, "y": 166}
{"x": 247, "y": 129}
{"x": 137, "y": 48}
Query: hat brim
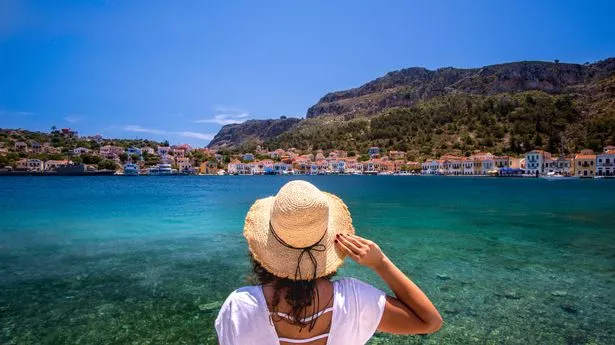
{"x": 280, "y": 260}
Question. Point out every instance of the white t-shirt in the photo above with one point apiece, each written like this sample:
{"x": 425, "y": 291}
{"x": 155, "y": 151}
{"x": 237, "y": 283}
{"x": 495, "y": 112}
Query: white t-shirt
{"x": 357, "y": 310}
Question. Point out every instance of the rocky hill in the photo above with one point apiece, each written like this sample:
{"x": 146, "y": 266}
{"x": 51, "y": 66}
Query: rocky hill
{"x": 505, "y": 108}
{"x": 406, "y": 87}
{"x": 252, "y": 131}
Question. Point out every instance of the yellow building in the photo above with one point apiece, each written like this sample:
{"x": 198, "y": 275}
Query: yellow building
{"x": 208, "y": 168}
{"x": 585, "y": 164}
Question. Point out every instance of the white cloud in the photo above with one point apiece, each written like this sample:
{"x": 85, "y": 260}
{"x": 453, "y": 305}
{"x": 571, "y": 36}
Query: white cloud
{"x": 203, "y": 136}
{"x": 225, "y": 119}
{"x": 136, "y": 128}
{"x": 72, "y": 118}
{"x": 224, "y": 115}
{"x": 187, "y": 134}
{"x": 16, "y": 113}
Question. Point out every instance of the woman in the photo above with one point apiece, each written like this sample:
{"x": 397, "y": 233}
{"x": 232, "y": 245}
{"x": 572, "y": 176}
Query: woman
{"x": 297, "y": 240}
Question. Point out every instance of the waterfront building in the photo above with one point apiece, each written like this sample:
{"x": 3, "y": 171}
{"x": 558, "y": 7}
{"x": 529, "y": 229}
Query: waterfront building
{"x": 434, "y": 167}
{"x": 52, "y": 165}
{"x": 605, "y": 163}
{"x": 515, "y": 162}
{"x": 502, "y": 162}
{"x": 20, "y": 146}
{"x": 281, "y": 168}
{"x": 35, "y": 147}
{"x": 208, "y": 168}
{"x": 585, "y": 164}
{"x": 467, "y": 166}
{"x": 35, "y": 165}
{"x": 560, "y": 166}
{"x": 80, "y": 150}
{"x": 451, "y": 165}
{"x": 22, "y": 164}
{"x": 488, "y": 166}
{"x": 183, "y": 164}
{"x": 398, "y": 164}
{"x": 372, "y": 165}
{"x": 425, "y": 167}
{"x": 535, "y": 162}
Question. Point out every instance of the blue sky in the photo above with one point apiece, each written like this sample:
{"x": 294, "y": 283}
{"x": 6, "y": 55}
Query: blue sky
{"x": 178, "y": 70}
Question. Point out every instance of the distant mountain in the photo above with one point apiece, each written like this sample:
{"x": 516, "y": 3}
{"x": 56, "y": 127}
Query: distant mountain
{"x": 406, "y": 87}
{"x": 505, "y": 108}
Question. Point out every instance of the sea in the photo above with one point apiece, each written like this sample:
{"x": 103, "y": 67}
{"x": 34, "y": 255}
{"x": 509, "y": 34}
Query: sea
{"x": 149, "y": 260}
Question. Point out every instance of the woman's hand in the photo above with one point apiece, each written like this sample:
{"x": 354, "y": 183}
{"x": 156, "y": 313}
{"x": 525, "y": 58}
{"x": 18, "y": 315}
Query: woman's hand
{"x": 363, "y": 251}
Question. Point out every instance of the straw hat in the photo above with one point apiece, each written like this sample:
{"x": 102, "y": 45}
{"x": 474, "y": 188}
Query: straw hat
{"x": 285, "y": 231}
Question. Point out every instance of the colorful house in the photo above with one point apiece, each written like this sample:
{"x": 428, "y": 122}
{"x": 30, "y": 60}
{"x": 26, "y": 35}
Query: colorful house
{"x": 585, "y": 164}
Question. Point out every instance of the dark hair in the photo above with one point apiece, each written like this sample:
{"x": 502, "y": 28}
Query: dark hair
{"x": 300, "y": 294}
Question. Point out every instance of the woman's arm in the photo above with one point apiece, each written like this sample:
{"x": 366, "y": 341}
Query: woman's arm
{"x": 411, "y": 312}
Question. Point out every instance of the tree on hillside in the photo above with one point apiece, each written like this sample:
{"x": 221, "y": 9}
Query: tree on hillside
{"x": 107, "y": 164}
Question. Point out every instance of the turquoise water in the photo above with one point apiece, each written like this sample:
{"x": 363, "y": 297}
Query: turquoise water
{"x": 118, "y": 260}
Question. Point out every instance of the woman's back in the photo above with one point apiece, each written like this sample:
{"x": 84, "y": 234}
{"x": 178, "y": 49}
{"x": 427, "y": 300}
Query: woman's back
{"x": 355, "y": 312}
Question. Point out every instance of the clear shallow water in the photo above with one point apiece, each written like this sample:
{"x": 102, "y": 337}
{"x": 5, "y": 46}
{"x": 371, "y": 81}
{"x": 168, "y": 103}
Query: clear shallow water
{"x": 115, "y": 260}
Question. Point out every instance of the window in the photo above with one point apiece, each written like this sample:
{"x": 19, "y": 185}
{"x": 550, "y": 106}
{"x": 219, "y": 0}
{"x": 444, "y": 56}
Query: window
{"x": 591, "y": 163}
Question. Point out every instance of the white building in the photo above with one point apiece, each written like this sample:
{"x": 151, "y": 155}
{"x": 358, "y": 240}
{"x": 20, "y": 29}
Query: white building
{"x": 535, "y": 162}
{"x": 35, "y": 165}
{"x": 605, "y": 163}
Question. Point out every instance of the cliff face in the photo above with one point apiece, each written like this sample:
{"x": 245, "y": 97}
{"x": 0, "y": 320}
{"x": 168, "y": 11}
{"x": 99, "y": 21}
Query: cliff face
{"x": 405, "y": 87}
{"x": 251, "y": 131}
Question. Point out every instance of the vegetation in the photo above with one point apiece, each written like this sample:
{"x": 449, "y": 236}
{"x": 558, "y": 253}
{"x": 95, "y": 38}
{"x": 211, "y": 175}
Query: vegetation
{"x": 462, "y": 123}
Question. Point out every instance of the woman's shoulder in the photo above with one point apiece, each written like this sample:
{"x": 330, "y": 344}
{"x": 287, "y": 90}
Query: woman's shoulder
{"x": 353, "y": 284}
{"x": 245, "y": 296}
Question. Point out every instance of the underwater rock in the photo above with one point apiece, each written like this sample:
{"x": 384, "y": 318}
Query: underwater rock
{"x": 512, "y": 295}
{"x": 451, "y": 311}
{"x": 443, "y": 276}
{"x": 210, "y": 306}
{"x": 559, "y": 293}
{"x": 569, "y": 308}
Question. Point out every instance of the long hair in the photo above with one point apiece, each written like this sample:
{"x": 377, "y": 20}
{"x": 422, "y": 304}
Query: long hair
{"x": 300, "y": 295}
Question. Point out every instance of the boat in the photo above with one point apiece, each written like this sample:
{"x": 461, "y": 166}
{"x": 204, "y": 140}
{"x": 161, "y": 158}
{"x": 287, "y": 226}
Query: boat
{"x": 161, "y": 170}
{"x": 131, "y": 169}
{"x": 551, "y": 176}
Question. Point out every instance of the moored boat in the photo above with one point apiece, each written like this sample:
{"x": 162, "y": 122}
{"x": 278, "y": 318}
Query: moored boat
{"x": 131, "y": 169}
{"x": 162, "y": 170}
